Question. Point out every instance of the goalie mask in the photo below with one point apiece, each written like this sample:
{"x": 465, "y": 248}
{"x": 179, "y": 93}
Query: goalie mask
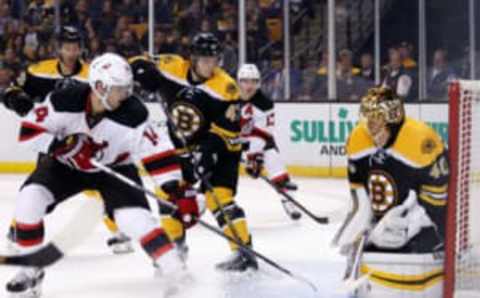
{"x": 381, "y": 109}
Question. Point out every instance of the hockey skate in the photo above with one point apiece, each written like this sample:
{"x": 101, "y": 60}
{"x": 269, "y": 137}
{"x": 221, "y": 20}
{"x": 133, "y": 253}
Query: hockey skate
{"x": 26, "y": 284}
{"x": 182, "y": 249}
{"x": 238, "y": 261}
{"x": 171, "y": 272}
{"x": 119, "y": 243}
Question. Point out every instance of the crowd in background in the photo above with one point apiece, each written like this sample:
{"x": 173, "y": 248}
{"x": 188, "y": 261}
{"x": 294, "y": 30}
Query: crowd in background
{"x": 27, "y": 35}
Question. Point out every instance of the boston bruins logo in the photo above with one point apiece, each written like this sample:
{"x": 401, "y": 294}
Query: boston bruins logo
{"x": 382, "y": 190}
{"x": 187, "y": 119}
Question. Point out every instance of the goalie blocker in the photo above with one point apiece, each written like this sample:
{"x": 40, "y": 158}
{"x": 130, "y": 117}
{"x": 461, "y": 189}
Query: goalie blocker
{"x": 398, "y": 172}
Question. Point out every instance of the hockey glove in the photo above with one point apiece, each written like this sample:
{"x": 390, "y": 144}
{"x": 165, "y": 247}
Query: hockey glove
{"x": 254, "y": 164}
{"x": 400, "y": 224}
{"x": 188, "y": 212}
{"x": 76, "y": 151}
{"x": 18, "y": 101}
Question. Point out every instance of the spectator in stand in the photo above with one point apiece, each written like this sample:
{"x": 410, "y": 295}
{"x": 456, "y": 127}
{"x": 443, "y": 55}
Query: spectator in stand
{"x": 396, "y": 77}
{"x": 6, "y": 20}
{"x": 366, "y": 67}
{"x": 107, "y": 22}
{"x": 163, "y": 12}
{"x": 190, "y": 17}
{"x": 257, "y": 34}
{"x": 163, "y": 42}
{"x": 95, "y": 49}
{"x": 227, "y": 20}
{"x": 38, "y": 11}
{"x": 273, "y": 84}
{"x": 5, "y": 78}
{"x": 230, "y": 59}
{"x": 406, "y": 51}
{"x": 10, "y": 61}
{"x": 349, "y": 84}
{"x": 439, "y": 76}
{"x": 129, "y": 45}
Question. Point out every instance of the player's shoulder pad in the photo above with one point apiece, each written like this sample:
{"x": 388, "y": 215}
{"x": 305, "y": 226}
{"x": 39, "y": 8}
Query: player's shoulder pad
{"x": 83, "y": 73}
{"x": 261, "y": 101}
{"x": 46, "y": 68}
{"x": 131, "y": 113}
{"x": 71, "y": 99}
{"x": 417, "y": 143}
{"x": 222, "y": 86}
{"x": 173, "y": 66}
{"x": 359, "y": 143}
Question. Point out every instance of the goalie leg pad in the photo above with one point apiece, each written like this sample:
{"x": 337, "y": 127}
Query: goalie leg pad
{"x": 401, "y": 275}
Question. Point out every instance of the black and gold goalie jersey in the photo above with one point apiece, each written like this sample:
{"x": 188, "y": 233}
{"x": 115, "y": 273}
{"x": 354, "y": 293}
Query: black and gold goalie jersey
{"x": 415, "y": 159}
{"x": 211, "y": 106}
{"x": 43, "y": 77}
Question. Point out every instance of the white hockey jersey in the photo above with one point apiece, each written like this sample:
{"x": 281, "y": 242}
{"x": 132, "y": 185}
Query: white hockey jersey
{"x": 258, "y": 122}
{"x": 126, "y": 133}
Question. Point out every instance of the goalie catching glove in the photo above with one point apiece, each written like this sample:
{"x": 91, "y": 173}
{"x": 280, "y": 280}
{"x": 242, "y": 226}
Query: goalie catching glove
{"x": 400, "y": 224}
{"x": 76, "y": 151}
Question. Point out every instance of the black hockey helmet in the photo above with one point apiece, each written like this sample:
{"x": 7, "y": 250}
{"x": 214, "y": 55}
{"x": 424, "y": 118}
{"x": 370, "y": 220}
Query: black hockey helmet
{"x": 69, "y": 34}
{"x": 206, "y": 44}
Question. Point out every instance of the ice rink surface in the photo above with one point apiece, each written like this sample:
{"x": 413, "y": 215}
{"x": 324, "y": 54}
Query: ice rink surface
{"x": 303, "y": 247}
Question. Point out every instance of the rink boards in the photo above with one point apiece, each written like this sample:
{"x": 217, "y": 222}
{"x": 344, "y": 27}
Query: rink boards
{"x": 311, "y": 136}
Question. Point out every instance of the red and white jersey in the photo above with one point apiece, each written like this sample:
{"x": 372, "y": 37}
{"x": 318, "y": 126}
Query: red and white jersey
{"x": 258, "y": 122}
{"x": 126, "y": 134}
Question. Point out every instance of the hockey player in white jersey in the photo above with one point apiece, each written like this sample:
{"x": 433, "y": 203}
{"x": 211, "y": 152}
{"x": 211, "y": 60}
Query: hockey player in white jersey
{"x": 398, "y": 174}
{"x": 258, "y": 123}
{"x": 99, "y": 120}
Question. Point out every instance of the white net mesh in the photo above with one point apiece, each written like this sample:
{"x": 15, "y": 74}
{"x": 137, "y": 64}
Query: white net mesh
{"x": 467, "y": 242}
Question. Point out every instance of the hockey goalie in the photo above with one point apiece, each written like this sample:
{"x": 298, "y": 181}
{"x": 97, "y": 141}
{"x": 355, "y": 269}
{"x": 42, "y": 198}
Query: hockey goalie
{"x": 398, "y": 174}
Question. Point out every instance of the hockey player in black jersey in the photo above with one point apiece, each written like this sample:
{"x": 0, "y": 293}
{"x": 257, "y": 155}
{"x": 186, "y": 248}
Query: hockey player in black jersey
{"x": 45, "y": 76}
{"x": 100, "y": 121}
{"x": 398, "y": 174}
{"x": 258, "y": 124}
{"x": 203, "y": 102}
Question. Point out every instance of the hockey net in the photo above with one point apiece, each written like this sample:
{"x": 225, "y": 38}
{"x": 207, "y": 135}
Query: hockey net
{"x": 462, "y": 245}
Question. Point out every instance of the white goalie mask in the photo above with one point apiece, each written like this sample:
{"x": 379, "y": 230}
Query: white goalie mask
{"x": 110, "y": 70}
{"x": 249, "y": 72}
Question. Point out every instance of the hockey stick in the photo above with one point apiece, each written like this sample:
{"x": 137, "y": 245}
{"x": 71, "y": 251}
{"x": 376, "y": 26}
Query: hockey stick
{"x": 350, "y": 283}
{"x": 203, "y": 178}
{"x": 72, "y": 234}
{"x": 319, "y": 219}
{"x": 204, "y": 224}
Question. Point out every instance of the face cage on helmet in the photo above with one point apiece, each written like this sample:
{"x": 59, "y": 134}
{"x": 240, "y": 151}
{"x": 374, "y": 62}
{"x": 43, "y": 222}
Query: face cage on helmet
{"x": 391, "y": 112}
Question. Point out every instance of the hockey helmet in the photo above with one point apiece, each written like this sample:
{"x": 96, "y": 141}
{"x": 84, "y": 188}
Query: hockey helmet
{"x": 110, "y": 70}
{"x": 206, "y": 44}
{"x": 69, "y": 34}
{"x": 248, "y": 72}
{"x": 382, "y": 103}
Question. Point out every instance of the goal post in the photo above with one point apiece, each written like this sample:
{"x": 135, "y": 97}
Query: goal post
{"x": 462, "y": 243}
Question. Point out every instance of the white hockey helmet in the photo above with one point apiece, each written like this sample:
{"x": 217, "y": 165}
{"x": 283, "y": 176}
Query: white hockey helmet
{"x": 110, "y": 70}
{"x": 249, "y": 71}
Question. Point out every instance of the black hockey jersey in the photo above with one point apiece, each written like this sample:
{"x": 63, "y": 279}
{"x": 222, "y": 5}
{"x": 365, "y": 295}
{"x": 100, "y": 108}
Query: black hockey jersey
{"x": 45, "y": 76}
{"x": 126, "y": 131}
{"x": 216, "y": 109}
{"x": 416, "y": 160}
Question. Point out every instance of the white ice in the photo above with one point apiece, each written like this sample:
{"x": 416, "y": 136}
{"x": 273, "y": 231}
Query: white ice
{"x": 302, "y": 247}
